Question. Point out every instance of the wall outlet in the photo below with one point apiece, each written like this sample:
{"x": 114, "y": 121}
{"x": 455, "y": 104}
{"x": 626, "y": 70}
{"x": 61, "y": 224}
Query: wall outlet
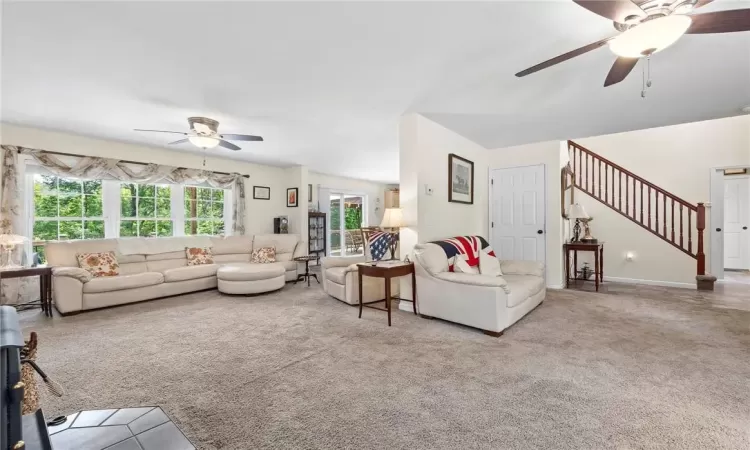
{"x": 427, "y": 189}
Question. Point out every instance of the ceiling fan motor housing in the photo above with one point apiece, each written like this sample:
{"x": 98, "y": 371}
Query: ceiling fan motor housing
{"x": 205, "y": 126}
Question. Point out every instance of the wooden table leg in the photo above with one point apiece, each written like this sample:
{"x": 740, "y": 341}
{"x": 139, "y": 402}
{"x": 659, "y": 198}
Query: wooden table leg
{"x": 388, "y": 297}
{"x": 360, "y": 293}
{"x": 567, "y": 268}
{"x": 43, "y": 293}
{"x": 596, "y": 269}
{"x": 49, "y": 294}
{"x": 601, "y": 263}
{"x": 575, "y": 265}
{"x": 414, "y": 290}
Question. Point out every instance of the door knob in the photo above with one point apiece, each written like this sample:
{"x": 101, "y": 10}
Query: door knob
{"x": 718, "y": 229}
{"x": 539, "y": 232}
{"x": 744, "y": 228}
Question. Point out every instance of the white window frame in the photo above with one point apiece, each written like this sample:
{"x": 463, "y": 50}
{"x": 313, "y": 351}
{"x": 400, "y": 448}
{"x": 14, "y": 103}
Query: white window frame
{"x": 225, "y": 217}
{"x": 138, "y": 218}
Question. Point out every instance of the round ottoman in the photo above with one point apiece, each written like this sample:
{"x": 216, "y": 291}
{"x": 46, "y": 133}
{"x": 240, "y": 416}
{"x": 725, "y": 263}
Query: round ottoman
{"x": 248, "y": 278}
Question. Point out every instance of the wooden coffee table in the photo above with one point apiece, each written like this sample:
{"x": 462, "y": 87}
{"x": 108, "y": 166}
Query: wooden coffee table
{"x": 387, "y": 270}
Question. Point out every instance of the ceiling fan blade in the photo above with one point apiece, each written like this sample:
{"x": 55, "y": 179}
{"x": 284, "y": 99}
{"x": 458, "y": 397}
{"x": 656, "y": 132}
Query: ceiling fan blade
{"x": 620, "y": 69}
{"x": 728, "y": 21}
{"x": 162, "y": 131}
{"x": 563, "y": 57}
{"x": 241, "y": 137}
{"x": 616, "y": 10}
{"x": 700, "y": 3}
{"x": 181, "y": 141}
{"x": 229, "y": 145}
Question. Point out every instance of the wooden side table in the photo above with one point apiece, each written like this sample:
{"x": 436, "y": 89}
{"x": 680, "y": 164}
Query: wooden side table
{"x": 387, "y": 271}
{"x": 575, "y": 247}
{"x": 45, "y": 284}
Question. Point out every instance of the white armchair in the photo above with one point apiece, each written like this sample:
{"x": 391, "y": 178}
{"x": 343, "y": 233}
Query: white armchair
{"x": 491, "y": 304}
{"x": 341, "y": 281}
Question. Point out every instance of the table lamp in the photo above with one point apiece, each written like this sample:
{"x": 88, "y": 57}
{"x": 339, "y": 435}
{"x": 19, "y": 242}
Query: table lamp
{"x": 577, "y": 212}
{"x": 392, "y": 218}
{"x": 8, "y": 242}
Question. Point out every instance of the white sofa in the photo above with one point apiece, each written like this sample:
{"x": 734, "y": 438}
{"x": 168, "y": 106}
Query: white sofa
{"x": 341, "y": 281}
{"x": 491, "y": 304}
{"x": 150, "y": 276}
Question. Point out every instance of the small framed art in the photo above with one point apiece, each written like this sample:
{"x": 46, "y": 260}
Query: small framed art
{"x": 261, "y": 193}
{"x": 292, "y": 197}
{"x": 460, "y": 180}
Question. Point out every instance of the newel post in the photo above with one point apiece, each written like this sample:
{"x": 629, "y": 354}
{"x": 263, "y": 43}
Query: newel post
{"x": 701, "y": 225}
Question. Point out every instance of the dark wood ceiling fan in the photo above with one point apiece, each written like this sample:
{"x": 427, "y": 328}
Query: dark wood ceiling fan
{"x": 204, "y": 134}
{"x": 647, "y": 27}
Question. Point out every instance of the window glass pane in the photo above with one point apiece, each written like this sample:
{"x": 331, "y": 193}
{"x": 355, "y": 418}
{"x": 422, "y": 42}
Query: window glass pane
{"x": 71, "y": 230}
{"x": 204, "y": 194}
{"x": 204, "y": 210}
{"x": 128, "y": 228}
{"x": 92, "y": 205}
{"x": 217, "y": 210}
{"x": 191, "y": 209}
{"x": 147, "y": 190}
{"x": 71, "y": 206}
{"x": 47, "y": 184}
{"x": 44, "y": 205}
{"x": 146, "y": 207}
{"x": 191, "y": 227}
{"x": 205, "y": 227}
{"x": 164, "y": 228}
{"x": 69, "y": 187}
{"x": 163, "y": 191}
{"x": 163, "y": 207}
{"x": 92, "y": 187}
{"x": 45, "y": 230}
{"x": 147, "y": 228}
{"x": 218, "y": 195}
{"x": 93, "y": 229}
{"x": 127, "y": 206}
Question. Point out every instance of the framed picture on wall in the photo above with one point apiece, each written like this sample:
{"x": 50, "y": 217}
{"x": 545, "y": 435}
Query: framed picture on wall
{"x": 261, "y": 193}
{"x": 309, "y": 193}
{"x": 460, "y": 180}
{"x": 292, "y": 197}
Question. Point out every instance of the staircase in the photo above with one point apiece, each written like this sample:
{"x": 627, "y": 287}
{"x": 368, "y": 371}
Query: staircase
{"x": 663, "y": 214}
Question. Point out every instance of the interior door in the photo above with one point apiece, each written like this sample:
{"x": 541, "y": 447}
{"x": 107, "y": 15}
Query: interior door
{"x": 736, "y": 222}
{"x": 518, "y": 213}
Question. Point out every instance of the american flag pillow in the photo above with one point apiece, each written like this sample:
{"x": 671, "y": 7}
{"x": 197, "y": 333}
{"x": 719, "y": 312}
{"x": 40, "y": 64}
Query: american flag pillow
{"x": 379, "y": 243}
{"x": 466, "y": 248}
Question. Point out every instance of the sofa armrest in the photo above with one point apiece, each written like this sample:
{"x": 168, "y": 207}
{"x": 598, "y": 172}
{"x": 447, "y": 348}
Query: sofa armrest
{"x": 535, "y": 268}
{"x": 82, "y": 275}
{"x": 340, "y": 261}
{"x": 474, "y": 280}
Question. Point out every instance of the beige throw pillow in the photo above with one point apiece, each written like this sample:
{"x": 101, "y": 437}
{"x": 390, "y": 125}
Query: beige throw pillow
{"x": 489, "y": 265}
{"x": 197, "y": 256}
{"x": 103, "y": 264}
{"x": 263, "y": 255}
{"x": 461, "y": 266}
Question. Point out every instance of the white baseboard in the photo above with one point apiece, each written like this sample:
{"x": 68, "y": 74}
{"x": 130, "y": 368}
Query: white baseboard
{"x": 555, "y": 286}
{"x": 650, "y": 282}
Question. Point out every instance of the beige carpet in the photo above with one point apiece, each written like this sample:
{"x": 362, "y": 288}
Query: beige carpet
{"x": 297, "y": 369}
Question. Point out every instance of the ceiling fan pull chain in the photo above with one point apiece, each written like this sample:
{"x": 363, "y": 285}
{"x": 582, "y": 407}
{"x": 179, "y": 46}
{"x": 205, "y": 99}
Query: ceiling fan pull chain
{"x": 648, "y": 62}
{"x": 643, "y": 81}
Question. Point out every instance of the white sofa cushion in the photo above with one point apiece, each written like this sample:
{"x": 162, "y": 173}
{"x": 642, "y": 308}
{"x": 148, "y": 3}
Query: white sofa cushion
{"x": 190, "y": 272}
{"x": 474, "y": 280}
{"x": 108, "y": 284}
{"x": 460, "y": 265}
{"x": 250, "y": 272}
{"x": 283, "y": 243}
{"x": 522, "y": 287}
{"x": 232, "y": 245}
{"x": 338, "y": 274}
{"x": 432, "y": 258}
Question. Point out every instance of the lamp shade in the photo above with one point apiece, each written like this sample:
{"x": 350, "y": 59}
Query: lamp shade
{"x": 576, "y": 211}
{"x": 393, "y": 218}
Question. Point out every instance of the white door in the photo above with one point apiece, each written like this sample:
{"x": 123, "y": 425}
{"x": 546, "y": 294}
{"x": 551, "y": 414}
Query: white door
{"x": 736, "y": 222}
{"x": 517, "y": 213}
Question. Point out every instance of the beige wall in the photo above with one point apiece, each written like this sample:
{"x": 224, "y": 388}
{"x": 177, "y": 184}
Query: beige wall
{"x": 678, "y": 159}
{"x": 552, "y": 155}
{"x": 260, "y": 213}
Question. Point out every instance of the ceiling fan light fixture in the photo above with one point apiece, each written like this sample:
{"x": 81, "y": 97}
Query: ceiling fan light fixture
{"x": 204, "y": 141}
{"x": 650, "y": 37}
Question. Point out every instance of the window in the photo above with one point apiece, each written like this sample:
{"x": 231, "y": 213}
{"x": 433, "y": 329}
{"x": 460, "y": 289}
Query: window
{"x": 204, "y": 210}
{"x": 145, "y": 210}
{"x": 67, "y": 209}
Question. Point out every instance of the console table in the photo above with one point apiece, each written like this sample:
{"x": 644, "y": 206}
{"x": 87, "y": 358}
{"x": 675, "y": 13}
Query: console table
{"x": 575, "y": 247}
{"x": 45, "y": 284}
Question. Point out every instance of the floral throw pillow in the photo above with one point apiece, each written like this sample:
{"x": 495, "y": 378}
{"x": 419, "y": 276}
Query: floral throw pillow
{"x": 197, "y": 256}
{"x": 263, "y": 255}
{"x": 102, "y": 264}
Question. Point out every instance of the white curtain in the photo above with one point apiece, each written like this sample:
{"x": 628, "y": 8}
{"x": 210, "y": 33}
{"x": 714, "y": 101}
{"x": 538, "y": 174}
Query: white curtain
{"x": 14, "y": 290}
{"x": 113, "y": 169}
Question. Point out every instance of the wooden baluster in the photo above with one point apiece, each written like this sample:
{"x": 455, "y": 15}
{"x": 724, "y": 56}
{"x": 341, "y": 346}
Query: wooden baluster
{"x": 672, "y": 224}
{"x": 619, "y": 190}
{"x": 649, "y": 207}
{"x": 690, "y": 231}
{"x": 634, "y": 199}
{"x": 656, "y": 203}
{"x": 613, "y": 187}
{"x": 680, "y": 225}
{"x": 606, "y": 193}
{"x": 641, "y": 203}
{"x": 587, "y": 172}
{"x": 665, "y": 215}
{"x": 700, "y": 222}
{"x": 627, "y": 196}
{"x": 599, "y": 179}
{"x": 576, "y": 172}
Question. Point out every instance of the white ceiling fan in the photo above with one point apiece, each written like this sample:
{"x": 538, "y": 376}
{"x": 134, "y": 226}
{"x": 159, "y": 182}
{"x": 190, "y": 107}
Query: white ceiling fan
{"x": 204, "y": 134}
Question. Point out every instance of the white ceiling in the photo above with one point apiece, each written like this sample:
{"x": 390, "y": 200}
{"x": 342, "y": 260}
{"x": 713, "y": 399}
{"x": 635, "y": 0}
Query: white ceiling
{"x": 326, "y": 83}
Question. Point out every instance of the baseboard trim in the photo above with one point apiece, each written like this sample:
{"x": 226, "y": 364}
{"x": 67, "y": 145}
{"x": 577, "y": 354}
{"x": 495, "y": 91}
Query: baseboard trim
{"x": 555, "y": 286}
{"x": 651, "y": 282}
